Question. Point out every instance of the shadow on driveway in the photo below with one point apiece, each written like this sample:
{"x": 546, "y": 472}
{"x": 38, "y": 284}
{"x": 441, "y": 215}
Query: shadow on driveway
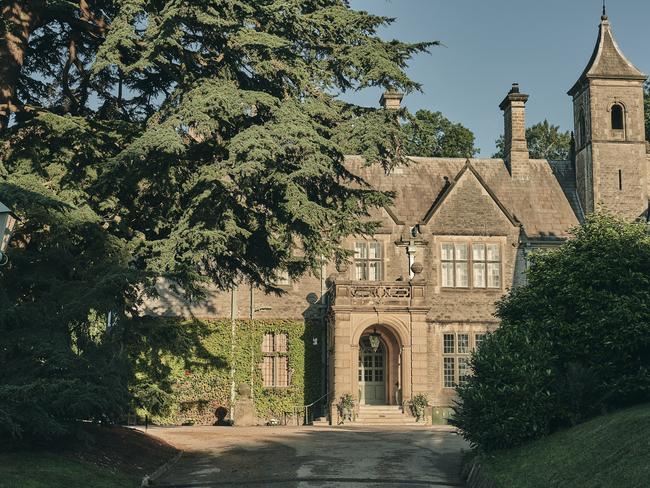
{"x": 313, "y": 457}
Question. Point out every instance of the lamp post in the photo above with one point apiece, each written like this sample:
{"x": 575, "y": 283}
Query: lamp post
{"x": 7, "y": 223}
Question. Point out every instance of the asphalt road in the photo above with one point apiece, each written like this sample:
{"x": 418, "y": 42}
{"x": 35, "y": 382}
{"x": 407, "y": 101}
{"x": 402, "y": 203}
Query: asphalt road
{"x": 341, "y": 457}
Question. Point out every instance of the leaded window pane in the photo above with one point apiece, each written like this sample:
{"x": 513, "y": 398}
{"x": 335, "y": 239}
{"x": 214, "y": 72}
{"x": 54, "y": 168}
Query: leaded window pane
{"x": 461, "y": 252}
{"x": 478, "y": 339}
{"x": 494, "y": 275}
{"x": 360, "y": 250}
{"x": 447, "y": 275}
{"x": 478, "y": 275}
{"x": 361, "y": 274}
{"x": 478, "y": 252}
{"x": 463, "y": 343}
{"x": 462, "y": 279}
{"x": 375, "y": 250}
{"x": 267, "y": 371}
{"x": 374, "y": 272}
{"x": 448, "y": 252}
{"x": 493, "y": 252}
{"x": 449, "y": 367}
{"x": 463, "y": 370}
{"x": 267, "y": 343}
{"x": 379, "y": 374}
{"x": 281, "y": 342}
{"x": 282, "y": 371}
{"x": 448, "y": 346}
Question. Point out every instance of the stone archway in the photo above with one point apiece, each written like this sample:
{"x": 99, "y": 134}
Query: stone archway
{"x": 379, "y": 373}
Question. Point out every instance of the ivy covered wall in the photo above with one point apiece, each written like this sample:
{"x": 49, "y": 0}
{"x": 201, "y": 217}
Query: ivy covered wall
{"x": 190, "y": 385}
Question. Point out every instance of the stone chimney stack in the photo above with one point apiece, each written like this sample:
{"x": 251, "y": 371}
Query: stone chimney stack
{"x": 516, "y": 147}
{"x": 391, "y": 100}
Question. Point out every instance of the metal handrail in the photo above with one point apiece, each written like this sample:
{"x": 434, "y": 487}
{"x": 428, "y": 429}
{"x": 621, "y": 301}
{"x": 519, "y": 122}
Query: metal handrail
{"x": 306, "y": 409}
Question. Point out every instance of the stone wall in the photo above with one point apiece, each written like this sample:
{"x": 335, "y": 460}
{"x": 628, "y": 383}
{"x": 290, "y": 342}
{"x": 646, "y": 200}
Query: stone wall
{"x": 611, "y": 164}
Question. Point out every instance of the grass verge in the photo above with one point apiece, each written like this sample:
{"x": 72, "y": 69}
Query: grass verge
{"x": 107, "y": 457}
{"x": 49, "y": 470}
{"x": 609, "y": 451}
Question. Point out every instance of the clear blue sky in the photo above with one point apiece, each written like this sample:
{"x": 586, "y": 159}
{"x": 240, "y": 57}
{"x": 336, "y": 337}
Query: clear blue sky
{"x": 542, "y": 44}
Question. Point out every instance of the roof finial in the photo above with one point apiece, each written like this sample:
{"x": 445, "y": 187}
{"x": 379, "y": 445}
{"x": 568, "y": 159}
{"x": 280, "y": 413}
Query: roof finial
{"x": 604, "y": 16}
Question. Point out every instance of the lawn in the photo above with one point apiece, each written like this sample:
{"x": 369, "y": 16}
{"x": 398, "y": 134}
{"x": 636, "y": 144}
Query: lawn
{"x": 102, "y": 457}
{"x": 50, "y": 470}
{"x": 606, "y": 452}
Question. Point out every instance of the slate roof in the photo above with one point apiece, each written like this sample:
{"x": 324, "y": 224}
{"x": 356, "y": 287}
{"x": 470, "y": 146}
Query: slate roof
{"x": 607, "y": 60}
{"x": 545, "y": 203}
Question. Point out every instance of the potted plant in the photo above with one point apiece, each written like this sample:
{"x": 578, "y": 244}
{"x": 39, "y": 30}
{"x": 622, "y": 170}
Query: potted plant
{"x": 346, "y": 407}
{"x": 419, "y": 403}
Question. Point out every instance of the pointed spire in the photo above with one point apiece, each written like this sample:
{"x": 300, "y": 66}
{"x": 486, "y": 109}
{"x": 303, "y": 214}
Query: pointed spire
{"x": 607, "y": 60}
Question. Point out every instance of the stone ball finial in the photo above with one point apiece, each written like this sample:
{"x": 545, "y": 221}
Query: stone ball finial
{"x": 417, "y": 268}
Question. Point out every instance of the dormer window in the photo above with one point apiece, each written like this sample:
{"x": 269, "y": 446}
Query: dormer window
{"x": 618, "y": 117}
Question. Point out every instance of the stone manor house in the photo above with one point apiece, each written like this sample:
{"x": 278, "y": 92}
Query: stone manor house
{"x": 403, "y": 317}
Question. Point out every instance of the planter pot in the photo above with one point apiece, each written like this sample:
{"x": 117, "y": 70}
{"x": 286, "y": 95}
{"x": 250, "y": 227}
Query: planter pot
{"x": 347, "y": 414}
{"x": 419, "y": 413}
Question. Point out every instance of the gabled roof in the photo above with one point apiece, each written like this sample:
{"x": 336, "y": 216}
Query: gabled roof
{"x": 542, "y": 203}
{"x": 468, "y": 168}
{"x": 607, "y": 60}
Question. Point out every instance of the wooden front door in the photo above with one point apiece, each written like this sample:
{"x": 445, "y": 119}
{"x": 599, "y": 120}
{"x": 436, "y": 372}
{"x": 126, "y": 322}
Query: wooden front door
{"x": 372, "y": 374}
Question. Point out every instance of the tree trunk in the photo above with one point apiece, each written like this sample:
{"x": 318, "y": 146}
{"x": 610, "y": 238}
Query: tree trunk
{"x": 19, "y": 18}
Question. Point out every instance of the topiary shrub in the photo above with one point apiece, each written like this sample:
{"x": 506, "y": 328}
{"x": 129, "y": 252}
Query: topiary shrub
{"x": 573, "y": 342}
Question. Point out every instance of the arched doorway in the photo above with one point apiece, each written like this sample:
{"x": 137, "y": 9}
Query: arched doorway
{"x": 372, "y": 371}
{"x": 379, "y": 371}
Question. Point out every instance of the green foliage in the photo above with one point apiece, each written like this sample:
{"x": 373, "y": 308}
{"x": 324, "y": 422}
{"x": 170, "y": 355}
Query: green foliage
{"x": 420, "y": 400}
{"x": 545, "y": 141}
{"x": 190, "y": 140}
{"x": 199, "y": 383}
{"x": 34, "y": 469}
{"x": 610, "y": 450}
{"x": 419, "y": 403}
{"x": 574, "y": 341}
{"x": 211, "y": 137}
{"x": 375, "y": 134}
{"x": 60, "y": 361}
{"x": 430, "y": 134}
{"x": 346, "y": 402}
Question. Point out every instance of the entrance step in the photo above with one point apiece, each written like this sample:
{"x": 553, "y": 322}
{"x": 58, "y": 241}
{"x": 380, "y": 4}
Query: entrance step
{"x": 384, "y": 415}
{"x": 378, "y": 416}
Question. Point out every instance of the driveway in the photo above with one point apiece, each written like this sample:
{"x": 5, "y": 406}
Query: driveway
{"x": 306, "y": 457}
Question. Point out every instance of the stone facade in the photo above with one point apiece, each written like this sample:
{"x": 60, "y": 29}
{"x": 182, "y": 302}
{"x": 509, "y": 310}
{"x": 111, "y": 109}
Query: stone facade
{"x": 611, "y": 160}
{"x": 454, "y": 241}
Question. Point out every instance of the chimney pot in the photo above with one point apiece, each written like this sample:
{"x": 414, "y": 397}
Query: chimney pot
{"x": 391, "y": 100}
{"x": 516, "y": 147}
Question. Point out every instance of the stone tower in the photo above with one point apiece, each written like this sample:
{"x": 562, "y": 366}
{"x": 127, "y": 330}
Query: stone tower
{"x": 611, "y": 162}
